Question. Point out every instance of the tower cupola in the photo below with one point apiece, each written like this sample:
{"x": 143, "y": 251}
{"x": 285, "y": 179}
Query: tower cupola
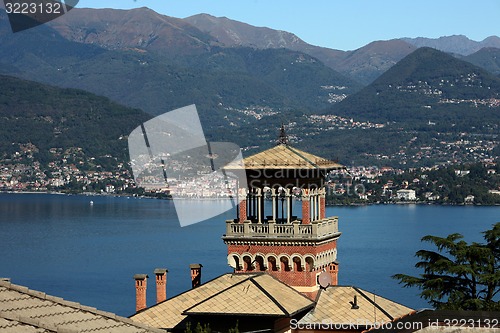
{"x": 281, "y": 227}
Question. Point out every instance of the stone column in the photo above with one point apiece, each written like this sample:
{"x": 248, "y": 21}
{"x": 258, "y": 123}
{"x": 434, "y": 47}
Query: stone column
{"x": 259, "y": 205}
{"x": 288, "y": 205}
{"x": 243, "y": 204}
{"x": 273, "y": 196}
{"x": 306, "y": 208}
{"x": 322, "y": 204}
{"x": 312, "y": 200}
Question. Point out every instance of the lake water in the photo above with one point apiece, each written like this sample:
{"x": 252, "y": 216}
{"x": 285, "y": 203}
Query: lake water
{"x": 86, "y": 253}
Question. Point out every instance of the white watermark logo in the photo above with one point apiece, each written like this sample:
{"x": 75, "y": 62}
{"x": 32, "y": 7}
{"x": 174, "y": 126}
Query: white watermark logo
{"x": 170, "y": 153}
{"x": 359, "y": 324}
{"x": 27, "y": 14}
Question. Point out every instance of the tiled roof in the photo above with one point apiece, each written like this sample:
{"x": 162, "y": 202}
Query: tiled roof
{"x": 24, "y": 310}
{"x": 335, "y": 305}
{"x": 243, "y": 294}
{"x": 168, "y": 314}
{"x": 284, "y": 157}
{"x": 260, "y": 295}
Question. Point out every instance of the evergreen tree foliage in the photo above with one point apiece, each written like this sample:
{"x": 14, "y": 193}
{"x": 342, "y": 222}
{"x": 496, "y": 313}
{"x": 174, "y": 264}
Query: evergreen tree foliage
{"x": 459, "y": 276}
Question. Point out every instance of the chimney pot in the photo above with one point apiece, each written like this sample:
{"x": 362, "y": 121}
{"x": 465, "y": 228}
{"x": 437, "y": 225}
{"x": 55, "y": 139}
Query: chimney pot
{"x": 140, "y": 277}
{"x": 354, "y": 304}
{"x": 195, "y": 275}
{"x": 140, "y": 291}
{"x": 161, "y": 284}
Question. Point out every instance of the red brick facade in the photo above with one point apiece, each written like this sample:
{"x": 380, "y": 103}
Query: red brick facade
{"x": 322, "y": 207}
{"x": 296, "y": 264}
{"x": 243, "y": 211}
{"x": 295, "y": 249}
{"x": 140, "y": 292}
{"x": 161, "y": 285}
{"x": 306, "y": 211}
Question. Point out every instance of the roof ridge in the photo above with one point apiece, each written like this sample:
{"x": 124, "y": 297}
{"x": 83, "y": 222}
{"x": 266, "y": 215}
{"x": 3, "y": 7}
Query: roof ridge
{"x": 70, "y": 304}
{"x": 294, "y": 150}
{"x": 271, "y": 297}
{"x": 379, "y": 296}
{"x": 373, "y": 302}
{"x": 217, "y": 294}
{"x": 287, "y": 286}
{"x": 182, "y": 293}
{"x": 313, "y": 303}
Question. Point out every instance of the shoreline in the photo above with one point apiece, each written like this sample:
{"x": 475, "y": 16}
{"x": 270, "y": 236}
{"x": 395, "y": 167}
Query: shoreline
{"x": 89, "y": 194}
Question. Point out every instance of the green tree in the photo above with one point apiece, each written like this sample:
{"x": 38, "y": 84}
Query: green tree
{"x": 459, "y": 276}
{"x": 234, "y": 329}
{"x": 198, "y": 329}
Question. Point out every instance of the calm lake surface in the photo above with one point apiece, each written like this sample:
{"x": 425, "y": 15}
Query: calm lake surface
{"x": 86, "y": 253}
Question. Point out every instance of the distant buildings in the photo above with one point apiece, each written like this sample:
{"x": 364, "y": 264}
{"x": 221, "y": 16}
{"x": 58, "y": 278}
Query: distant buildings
{"x": 406, "y": 195}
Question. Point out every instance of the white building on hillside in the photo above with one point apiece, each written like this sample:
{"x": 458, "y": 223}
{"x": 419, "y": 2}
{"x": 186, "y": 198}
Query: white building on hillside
{"x": 406, "y": 194}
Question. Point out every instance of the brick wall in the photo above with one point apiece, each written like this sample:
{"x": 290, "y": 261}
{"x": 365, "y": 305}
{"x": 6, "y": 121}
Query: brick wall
{"x": 243, "y": 211}
{"x": 306, "y": 211}
{"x": 322, "y": 207}
{"x": 140, "y": 295}
{"x": 296, "y": 274}
{"x": 278, "y": 249}
{"x": 161, "y": 287}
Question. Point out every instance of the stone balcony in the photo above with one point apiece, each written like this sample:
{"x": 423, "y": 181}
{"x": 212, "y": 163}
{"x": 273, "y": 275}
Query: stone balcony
{"x": 316, "y": 230}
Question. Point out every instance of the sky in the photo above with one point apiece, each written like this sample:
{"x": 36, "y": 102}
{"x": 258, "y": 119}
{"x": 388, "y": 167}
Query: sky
{"x": 340, "y": 24}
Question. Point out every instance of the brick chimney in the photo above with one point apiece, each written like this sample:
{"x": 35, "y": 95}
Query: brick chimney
{"x": 195, "y": 274}
{"x": 140, "y": 291}
{"x": 161, "y": 284}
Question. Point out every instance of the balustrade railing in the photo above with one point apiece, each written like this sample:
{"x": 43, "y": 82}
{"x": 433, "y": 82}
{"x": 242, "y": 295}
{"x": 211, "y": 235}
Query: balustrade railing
{"x": 314, "y": 230}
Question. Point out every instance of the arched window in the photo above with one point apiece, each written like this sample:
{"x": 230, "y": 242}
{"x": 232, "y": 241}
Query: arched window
{"x": 259, "y": 264}
{"x": 247, "y": 263}
{"x": 236, "y": 262}
{"x": 285, "y": 264}
{"x": 271, "y": 264}
{"x": 297, "y": 264}
{"x": 309, "y": 264}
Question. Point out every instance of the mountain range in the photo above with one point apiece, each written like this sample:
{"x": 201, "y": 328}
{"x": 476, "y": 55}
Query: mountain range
{"x": 199, "y": 33}
{"x": 248, "y": 80}
{"x": 423, "y": 87}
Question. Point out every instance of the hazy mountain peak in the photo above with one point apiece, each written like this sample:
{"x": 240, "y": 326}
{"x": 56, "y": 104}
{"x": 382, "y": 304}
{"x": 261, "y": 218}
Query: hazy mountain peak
{"x": 428, "y": 85}
{"x": 234, "y": 33}
{"x": 487, "y": 58}
{"x": 143, "y": 29}
{"x": 140, "y": 28}
{"x": 457, "y": 44}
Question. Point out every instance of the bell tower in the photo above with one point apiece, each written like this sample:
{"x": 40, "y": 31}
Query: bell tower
{"x": 270, "y": 233}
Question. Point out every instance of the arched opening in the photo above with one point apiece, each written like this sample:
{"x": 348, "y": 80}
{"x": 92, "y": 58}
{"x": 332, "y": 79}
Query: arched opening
{"x": 271, "y": 264}
{"x": 259, "y": 264}
{"x": 247, "y": 263}
{"x": 234, "y": 261}
{"x": 297, "y": 264}
{"x": 285, "y": 264}
{"x": 309, "y": 264}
